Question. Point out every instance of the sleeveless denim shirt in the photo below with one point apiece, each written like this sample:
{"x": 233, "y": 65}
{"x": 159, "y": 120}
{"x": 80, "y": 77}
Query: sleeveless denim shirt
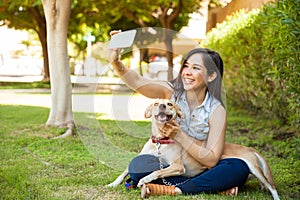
{"x": 196, "y": 123}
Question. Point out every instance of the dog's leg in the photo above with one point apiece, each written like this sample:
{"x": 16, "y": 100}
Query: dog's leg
{"x": 118, "y": 180}
{"x": 175, "y": 169}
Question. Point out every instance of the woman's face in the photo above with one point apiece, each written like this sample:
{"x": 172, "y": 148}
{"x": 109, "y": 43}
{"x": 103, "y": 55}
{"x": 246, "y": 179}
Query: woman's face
{"x": 194, "y": 74}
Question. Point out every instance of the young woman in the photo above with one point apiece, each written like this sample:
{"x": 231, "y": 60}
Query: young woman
{"x": 197, "y": 90}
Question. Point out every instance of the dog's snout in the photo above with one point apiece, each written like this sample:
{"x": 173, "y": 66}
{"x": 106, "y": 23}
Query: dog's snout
{"x": 162, "y": 106}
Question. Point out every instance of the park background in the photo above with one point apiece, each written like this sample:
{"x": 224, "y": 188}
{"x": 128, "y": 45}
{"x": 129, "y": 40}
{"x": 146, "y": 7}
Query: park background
{"x": 260, "y": 48}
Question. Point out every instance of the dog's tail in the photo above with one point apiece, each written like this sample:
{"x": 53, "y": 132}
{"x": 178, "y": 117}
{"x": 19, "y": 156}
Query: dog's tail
{"x": 262, "y": 171}
{"x": 266, "y": 171}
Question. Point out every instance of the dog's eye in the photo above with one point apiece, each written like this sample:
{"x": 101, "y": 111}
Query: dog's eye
{"x": 155, "y": 104}
{"x": 170, "y": 104}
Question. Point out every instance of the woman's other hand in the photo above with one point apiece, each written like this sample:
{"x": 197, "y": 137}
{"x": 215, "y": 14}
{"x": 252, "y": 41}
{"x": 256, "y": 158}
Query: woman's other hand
{"x": 170, "y": 129}
{"x": 114, "y": 32}
{"x": 114, "y": 53}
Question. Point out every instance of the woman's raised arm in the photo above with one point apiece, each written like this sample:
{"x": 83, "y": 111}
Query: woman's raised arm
{"x": 147, "y": 87}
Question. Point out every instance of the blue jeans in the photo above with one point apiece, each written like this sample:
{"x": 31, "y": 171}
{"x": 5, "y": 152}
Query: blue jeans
{"x": 228, "y": 173}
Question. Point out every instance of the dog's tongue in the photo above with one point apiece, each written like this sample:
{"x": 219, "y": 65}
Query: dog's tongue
{"x": 162, "y": 117}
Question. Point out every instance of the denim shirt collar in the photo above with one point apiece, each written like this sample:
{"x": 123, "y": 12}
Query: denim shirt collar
{"x": 206, "y": 103}
{"x": 196, "y": 122}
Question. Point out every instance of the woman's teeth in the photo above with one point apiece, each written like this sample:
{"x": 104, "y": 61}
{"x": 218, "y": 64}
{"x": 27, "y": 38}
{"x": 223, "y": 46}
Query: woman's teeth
{"x": 188, "y": 80}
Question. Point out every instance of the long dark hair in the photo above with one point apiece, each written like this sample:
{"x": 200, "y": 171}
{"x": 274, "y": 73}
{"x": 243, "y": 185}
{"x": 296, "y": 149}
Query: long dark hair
{"x": 213, "y": 63}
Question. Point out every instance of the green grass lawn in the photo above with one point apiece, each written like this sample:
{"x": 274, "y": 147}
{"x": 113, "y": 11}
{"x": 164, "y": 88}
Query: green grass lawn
{"x": 21, "y": 85}
{"x": 34, "y": 166}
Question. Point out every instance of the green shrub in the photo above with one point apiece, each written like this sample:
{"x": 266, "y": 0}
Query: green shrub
{"x": 260, "y": 49}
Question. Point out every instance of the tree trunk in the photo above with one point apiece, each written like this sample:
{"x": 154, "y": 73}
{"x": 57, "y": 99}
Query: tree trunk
{"x": 42, "y": 34}
{"x": 168, "y": 39}
{"x": 57, "y": 13}
{"x": 167, "y": 21}
{"x": 43, "y": 39}
{"x": 203, "y": 10}
{"x": 140, "y": 61}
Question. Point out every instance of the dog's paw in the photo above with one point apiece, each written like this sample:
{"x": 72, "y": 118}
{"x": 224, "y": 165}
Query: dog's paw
{"x": 111, "y": 185}
{"x": 141, "y": 183}
{"x": 147, "y": 179}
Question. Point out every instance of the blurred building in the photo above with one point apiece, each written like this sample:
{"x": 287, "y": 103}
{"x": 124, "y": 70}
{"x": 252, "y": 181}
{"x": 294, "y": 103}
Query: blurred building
{"x": 19, "y": 53}
{"x": 219, "y": 14}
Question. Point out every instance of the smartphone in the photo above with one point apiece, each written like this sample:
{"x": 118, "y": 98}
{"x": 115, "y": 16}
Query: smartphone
{"x": 122, "y": 40}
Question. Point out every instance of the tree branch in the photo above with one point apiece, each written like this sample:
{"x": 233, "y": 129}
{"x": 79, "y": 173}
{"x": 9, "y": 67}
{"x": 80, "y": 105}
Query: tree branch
{"x": 166, "y": 18}
{"x": 39, "y": 18}
{"x": 173, "y": 16}
{"x": 132, "y": 16}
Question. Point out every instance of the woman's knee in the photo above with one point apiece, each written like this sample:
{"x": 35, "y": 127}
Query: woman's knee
{"x": 142, "y": 165}
{"x": 239, "y": 170}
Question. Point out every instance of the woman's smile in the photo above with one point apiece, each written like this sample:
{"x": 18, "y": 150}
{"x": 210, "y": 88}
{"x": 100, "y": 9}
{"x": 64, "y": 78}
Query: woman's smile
{"x": 188, "y": 80}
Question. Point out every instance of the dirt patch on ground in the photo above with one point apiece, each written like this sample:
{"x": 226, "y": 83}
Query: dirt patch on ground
{"x": 95, "y": 193}
{"x": 284, "y": 135}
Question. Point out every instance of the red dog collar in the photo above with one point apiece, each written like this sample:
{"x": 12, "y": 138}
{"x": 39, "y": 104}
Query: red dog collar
{"x": 164, "y": 140}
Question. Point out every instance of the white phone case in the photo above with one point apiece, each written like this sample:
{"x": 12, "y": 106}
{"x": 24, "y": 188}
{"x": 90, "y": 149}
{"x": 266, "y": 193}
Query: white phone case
{"x": 122, "y": 40}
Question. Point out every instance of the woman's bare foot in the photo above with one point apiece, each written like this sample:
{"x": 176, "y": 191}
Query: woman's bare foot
{"x": 232, "y": 191}
{"x": 145, "y": 192}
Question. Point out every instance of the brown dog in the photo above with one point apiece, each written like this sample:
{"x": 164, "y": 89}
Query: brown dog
{"x": 180, "y": 162}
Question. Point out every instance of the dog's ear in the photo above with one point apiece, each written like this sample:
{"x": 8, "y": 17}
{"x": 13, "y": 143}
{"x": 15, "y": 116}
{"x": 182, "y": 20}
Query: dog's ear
{"x": 148, "y": 111}
{"x": 179, "y": 112}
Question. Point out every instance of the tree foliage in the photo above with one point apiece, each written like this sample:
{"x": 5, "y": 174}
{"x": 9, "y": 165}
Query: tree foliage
{"x": 97, "y": 18}
{"x": 261, "y": 51}
{"x": 170, "y": 15}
